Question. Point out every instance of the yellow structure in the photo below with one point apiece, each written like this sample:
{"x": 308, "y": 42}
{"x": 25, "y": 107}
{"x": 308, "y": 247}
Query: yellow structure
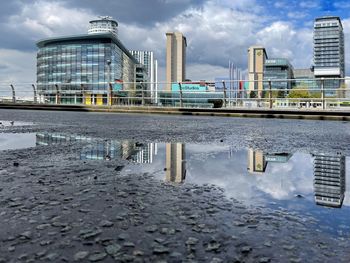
{"x": 175, "y": 58}
{"x": 175, "y": 162}
{"x": 256, "y": 63}
{"x": 93, "y": 99}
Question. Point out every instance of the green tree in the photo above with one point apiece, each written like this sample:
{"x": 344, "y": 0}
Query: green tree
{"x": 281, "y": 94}
{"x": 252, "y": 94}
{"x": 295, "y": 94}
{"x": 315, "y": 94}
{"x": 274, "y": 94}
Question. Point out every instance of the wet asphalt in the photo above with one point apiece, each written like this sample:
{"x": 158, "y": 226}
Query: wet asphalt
{"x": 55, "y": 207}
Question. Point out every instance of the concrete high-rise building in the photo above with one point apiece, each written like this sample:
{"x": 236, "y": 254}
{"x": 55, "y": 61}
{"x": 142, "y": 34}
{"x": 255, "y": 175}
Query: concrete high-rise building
{"x": 175, "y": 58}
{"x": 256, "y": 62}
{"x": 175, "y": 162}
{"x": 146, "y": 58}
{"x": 329, "y": 59}
{"x": 329, "y": 181}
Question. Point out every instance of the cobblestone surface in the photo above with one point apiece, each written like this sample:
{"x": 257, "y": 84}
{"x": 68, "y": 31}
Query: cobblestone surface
{"x": 56, "y": 208}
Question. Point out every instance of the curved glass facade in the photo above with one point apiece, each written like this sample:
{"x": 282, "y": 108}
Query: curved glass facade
{"x": 89, "y": 62}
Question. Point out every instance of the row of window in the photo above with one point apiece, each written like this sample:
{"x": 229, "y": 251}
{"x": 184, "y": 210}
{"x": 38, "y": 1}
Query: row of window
{"x": 336, "y": 49}
{"x": 87, "y": 64}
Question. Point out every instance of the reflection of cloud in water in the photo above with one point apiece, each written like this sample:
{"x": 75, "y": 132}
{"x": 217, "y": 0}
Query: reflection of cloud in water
{"x": 276, "y": 187}
{"x": 284, "y": 180}
{"x": 346, "y": 201}
{"x": 281, "y": 181}
{"x": 202, "y": 149}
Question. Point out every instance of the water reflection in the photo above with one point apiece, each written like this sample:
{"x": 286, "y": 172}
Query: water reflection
{"x": 175, "y": 164}
{"x": 13, "y": 141}
{"x": 103, "y": 150}
{"x": 293, "y": 181}
{"x": 329, "y": 182}
{"x": 328, "y": 170}
{"x": 258, "y": 160}
{"x": 4, "y": 124}
{"x": 145, "y": 153}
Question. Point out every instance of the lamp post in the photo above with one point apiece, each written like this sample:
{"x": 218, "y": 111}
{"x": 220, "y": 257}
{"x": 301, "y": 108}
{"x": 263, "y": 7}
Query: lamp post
{"x": 109, "y": 62}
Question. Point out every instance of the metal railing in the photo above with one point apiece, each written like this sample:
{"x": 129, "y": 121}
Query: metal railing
{"x": 322, "y": 93}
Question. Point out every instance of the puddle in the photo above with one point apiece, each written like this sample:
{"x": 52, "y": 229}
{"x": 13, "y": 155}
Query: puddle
{"x": 308, "y": 184}
{"x": 15, "y": 141}
{"x": 14, "y": 123}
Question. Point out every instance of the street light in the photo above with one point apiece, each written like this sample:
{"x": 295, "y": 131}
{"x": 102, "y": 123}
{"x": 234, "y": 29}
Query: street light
{"x": 109, "y": 70}
{"x": 109, "y": 62}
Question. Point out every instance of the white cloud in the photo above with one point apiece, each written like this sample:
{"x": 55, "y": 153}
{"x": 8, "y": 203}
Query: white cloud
{"x": 217, "y": 32}
{"x": 281, "y": 39}
{"x": 45, "y": 19}
{"x": 17, "y": 66}
{"x": 296, "y": 15}
{"x": 346, "y": 26}
{"x": 215, "y": 35}
{"x": 279, "y": 4}
{"x": 309, "y": 4}
{"x": 205, "y": 72}
{"x": 342, "y": 5}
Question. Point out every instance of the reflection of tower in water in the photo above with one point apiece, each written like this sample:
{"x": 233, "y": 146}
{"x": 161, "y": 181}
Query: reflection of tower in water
{"x": 175, "y": 162}
{"x": 256, "y": 161}
{"x": 329, "y": 181}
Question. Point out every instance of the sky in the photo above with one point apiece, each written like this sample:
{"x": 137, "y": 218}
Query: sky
{"x": 217, "y": 31}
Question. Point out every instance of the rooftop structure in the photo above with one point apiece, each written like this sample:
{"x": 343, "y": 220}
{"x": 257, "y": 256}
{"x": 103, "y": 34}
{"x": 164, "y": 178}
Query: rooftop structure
{"x": 105, "y": 24}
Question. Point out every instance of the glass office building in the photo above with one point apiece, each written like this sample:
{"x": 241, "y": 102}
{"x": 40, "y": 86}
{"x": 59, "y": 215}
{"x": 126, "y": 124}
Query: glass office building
{"x": 81, "y": 67}
{"x": 277, "y": 70}
{"x": 146, "y": 58}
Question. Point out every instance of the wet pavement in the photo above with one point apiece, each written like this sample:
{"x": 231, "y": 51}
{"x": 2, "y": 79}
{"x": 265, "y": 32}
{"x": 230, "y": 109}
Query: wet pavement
{"x": 99, "y": 187}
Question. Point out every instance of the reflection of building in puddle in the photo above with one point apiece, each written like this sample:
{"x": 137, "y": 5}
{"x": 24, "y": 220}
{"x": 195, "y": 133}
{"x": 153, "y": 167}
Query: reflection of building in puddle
{"x": 107, "y": 150}
{"x": 126, "y": 150}
{"x": 258, "y": 160}
{"x": 175, "y": 162}
{"x": 145, "y": 153}
{"x": 103, "y": 150}
{"x": 329, "y": 181}
{"x": 277, "y": 157}
{"x": 45, "y": 138}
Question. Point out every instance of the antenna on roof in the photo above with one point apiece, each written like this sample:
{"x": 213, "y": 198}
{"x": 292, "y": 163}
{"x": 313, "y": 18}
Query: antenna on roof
{"x": 105, "y": 17}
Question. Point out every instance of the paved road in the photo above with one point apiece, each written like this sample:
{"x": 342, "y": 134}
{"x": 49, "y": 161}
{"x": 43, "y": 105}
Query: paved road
{"x": 267, "y": 134}
{"x": 57, "y": 208}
